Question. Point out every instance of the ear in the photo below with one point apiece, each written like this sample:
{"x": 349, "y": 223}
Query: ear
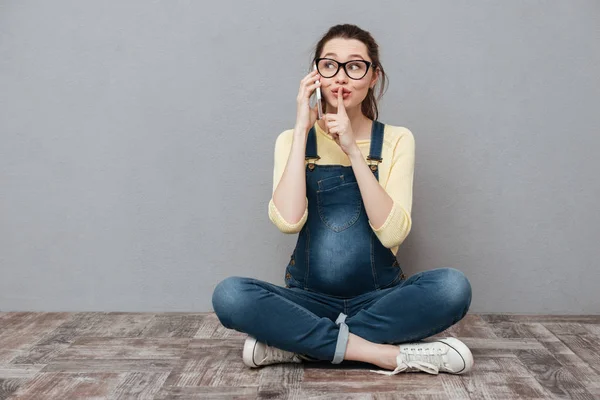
{"x": 375, "y": 77}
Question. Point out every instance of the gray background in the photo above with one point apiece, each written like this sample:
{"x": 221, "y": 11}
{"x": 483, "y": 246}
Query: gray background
{"x": 137, "y": 145}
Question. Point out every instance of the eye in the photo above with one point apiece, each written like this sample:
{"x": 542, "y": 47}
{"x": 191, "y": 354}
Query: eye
{"x": 356, "y": 66}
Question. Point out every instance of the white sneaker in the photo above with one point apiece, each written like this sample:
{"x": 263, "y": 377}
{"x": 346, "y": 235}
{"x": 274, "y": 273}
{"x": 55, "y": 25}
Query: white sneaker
{"x": 433, "y": 356}
{"x": 257, "y": 354}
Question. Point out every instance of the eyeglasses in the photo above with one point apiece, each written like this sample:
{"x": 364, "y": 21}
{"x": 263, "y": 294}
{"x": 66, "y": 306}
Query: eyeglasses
{"x": 355, "y": 69}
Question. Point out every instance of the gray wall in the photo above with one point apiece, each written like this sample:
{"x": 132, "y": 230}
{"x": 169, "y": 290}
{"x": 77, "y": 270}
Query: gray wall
{"x": 137, "y": 146}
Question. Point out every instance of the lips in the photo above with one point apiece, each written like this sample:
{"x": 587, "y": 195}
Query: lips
{"x": 344, "y": 91}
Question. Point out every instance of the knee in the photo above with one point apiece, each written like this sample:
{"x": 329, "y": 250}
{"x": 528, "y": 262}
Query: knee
{"x": 228, "y": 299}
{"x": 456, "y": 290}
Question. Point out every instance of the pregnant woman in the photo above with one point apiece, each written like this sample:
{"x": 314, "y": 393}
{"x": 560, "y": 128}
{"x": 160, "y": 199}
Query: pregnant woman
{"x": 344, "y": 184}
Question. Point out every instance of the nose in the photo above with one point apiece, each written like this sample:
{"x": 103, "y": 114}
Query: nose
{"x": 341, "y": 75}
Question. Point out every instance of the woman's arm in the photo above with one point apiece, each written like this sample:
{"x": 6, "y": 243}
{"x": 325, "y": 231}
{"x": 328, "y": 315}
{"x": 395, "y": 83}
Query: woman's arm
{"x": 288, "y": 207}
{"x": 389, "y": 209}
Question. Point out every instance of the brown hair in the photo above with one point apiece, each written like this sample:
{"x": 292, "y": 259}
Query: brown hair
{"x": 349, "y": 31}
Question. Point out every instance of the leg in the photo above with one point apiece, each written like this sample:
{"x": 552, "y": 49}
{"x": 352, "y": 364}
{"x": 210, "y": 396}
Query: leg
{"x": 359, "y": 349}
{"x": 425, "y": 304}
{"x": 290, "y": 319}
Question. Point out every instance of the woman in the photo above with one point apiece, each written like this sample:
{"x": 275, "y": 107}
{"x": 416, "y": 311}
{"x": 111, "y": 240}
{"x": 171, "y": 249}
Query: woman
{"x": 346, "y": 297}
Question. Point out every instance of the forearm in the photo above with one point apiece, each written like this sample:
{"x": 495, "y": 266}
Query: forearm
{"x": 290, "y": 195}
{"x": 378, "y": 204}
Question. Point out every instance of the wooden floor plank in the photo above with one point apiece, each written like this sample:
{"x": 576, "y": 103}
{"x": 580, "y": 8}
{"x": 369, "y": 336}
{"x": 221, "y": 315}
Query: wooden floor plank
{"x": 211, "y": 328}
{"x": 10, "y": 386}
{"x": 84, "y": 325}
{"x": 21, "y": 330}
{"x": 280, "y": 381}
{"x": 206, "y": 393}
{"x": 59, "y": 386}
{"x": 502, "y": 344}
{"x": 110, "y": 348}
{"x": 495, "y": 318}
{"x": 594, "y": 329}
{"x": 552, "y": 375}
{"x": 139, "y": 385}
{"x": 12, "y": 371}
{"x": 111, "y": 365}
{"x": 173, "y": 325}
{"x": 580, "y": 340}
{"x": 7, "y": 355}
{"x": 565, "y": 356}
{"x": 454, "y": 387}
{"x": 472, "y": 325}
{"x": 361, "y": 380}
{"x": 502, "y": 378}
{"x": 512, "y": 330}
{"x": 213, "y": 362}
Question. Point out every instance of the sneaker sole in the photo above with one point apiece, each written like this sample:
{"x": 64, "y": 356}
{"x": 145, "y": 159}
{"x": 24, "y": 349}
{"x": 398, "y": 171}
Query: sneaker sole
{"x": 248, "y": 353}
{"x": 462, "y": 350}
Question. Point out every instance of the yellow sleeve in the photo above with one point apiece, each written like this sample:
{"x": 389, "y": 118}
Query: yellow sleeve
{"x": 399, "y": 187}
{"x": 283, "y": 145}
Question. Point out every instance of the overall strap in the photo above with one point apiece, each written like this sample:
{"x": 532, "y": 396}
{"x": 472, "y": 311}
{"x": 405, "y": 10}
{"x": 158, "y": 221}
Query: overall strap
{"x": 311, "y": 148}
{"x": 374, "y": 157}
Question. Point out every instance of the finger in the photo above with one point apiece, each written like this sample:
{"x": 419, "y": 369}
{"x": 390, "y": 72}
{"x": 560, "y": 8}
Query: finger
{"x": 332, "y": 125}
{"x": 341, "y": 109}
{"x": 310, "y": 89}
{"x": 314, "y": 79}
{"x": 313, "y": 86}
{"x": 310, "y": 77}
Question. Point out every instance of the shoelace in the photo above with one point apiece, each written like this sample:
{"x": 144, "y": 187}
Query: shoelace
{"x": 417, "y": 358}
{"x": 278, "y": 355}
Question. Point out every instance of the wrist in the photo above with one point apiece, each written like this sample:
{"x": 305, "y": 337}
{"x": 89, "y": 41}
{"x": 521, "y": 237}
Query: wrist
{"x": 355, "y": 154}
{"x": 299, "y": 139}
{"x": 300, "y": 130}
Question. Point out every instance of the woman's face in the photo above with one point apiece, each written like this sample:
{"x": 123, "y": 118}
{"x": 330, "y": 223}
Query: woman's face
{"x": 354, "y": 91}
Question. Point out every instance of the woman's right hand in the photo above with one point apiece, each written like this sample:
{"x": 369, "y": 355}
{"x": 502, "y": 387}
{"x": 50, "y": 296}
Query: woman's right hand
{"x": 306, "y": 116}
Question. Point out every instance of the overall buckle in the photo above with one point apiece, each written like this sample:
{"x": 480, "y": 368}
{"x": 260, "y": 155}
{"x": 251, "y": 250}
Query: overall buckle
{"x": 311, "y": 164}
{"x": 373, "y": 162}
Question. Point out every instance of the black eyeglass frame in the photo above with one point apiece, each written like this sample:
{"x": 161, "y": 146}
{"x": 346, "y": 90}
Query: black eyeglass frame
{"x": 341, "y": 64}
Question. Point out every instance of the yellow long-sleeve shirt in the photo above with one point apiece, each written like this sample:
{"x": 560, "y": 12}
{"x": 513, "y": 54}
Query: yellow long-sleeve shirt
{"x": 396, "y": 173}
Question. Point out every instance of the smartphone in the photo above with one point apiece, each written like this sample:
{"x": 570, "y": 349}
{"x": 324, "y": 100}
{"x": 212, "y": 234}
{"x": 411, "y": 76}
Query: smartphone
{"x": 319, "y": 106}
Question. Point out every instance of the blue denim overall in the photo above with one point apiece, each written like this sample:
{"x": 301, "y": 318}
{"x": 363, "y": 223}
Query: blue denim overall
{"x": 337, "y": 252}
{"x": 340, "y": 269}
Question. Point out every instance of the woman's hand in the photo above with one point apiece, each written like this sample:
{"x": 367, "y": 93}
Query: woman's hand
{"x": 306, "y": 116}
{"x": 339, "y": 127}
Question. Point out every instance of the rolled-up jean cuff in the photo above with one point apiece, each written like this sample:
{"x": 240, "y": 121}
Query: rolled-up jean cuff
{"x": 342, "y": 342}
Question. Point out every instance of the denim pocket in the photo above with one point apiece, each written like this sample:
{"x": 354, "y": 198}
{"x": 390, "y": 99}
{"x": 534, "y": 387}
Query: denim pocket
{"x": 331, "y": 182}
{"x": 339, "y": 207}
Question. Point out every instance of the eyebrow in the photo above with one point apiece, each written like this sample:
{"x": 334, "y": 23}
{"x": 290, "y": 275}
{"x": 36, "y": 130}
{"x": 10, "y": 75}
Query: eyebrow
{"x": 351, "y": 55}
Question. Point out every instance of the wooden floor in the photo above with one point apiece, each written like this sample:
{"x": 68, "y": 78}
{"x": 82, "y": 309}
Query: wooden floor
{"x": 192, "y": 356}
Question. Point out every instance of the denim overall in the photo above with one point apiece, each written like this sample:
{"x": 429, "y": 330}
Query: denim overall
{"x": 337, "y": 252}
{"x": 339, "y": 268}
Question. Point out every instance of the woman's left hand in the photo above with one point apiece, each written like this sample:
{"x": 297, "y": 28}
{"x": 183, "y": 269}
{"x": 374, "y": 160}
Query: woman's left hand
{"x": 338, "y": 126}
